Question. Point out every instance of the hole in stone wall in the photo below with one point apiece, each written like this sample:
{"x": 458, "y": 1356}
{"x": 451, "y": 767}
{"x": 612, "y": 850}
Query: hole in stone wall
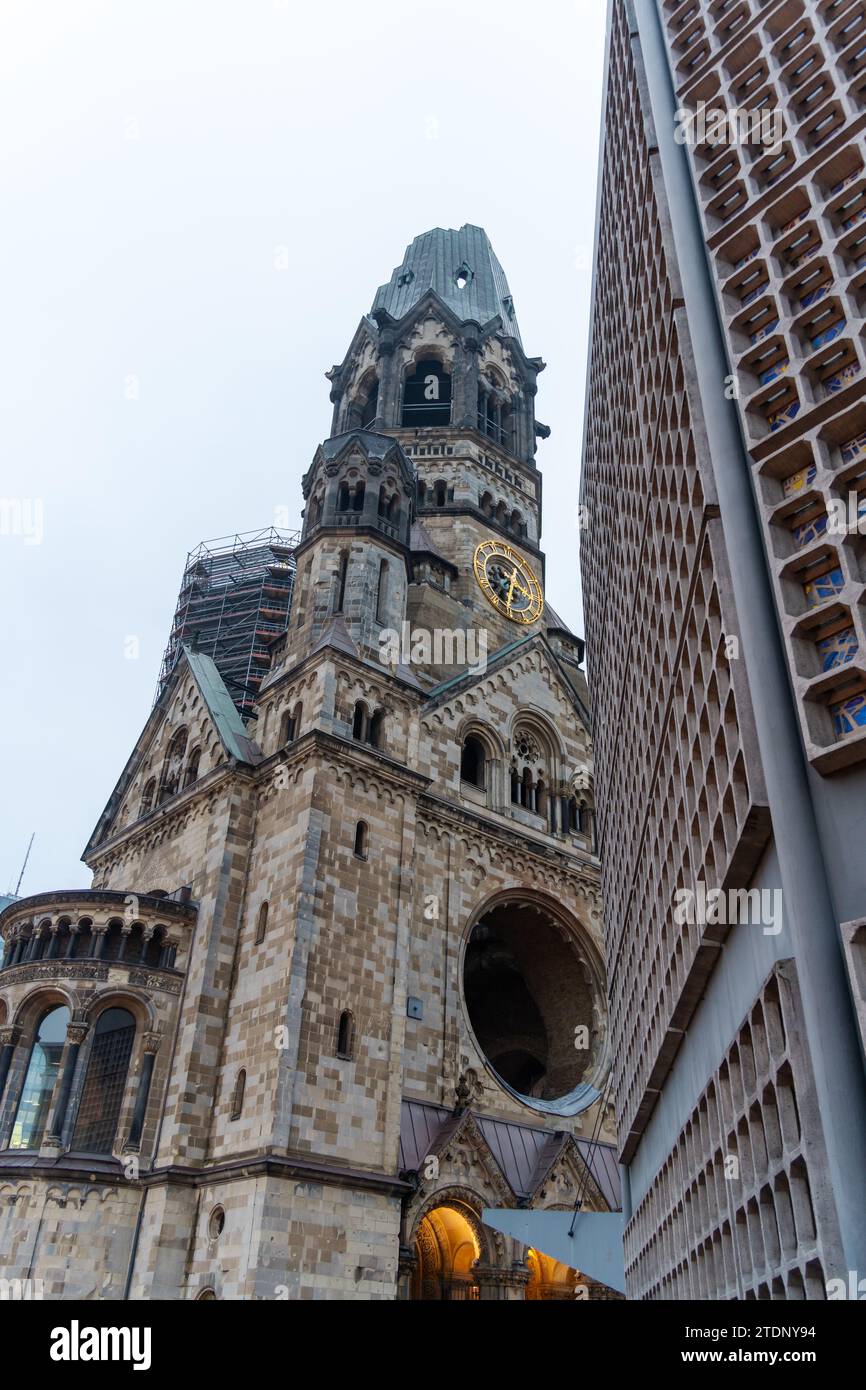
{"x": 530, "y": 1002}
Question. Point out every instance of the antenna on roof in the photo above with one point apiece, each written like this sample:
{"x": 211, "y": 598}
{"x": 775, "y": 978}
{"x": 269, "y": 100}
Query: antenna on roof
{"x": 24, "y": 865}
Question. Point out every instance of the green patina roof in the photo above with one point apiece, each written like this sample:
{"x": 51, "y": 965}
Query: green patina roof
{"x": 434, "y": 261}
{"x": 221, "y": 706}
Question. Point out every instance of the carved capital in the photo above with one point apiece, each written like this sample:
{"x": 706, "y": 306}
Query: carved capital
{"x": 76, "y": 1033}
{"x": 151, "y": 1042}
{"x": 9, "y": 1036}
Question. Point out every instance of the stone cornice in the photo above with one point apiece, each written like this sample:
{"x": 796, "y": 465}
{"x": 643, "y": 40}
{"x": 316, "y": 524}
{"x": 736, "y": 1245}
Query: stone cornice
{"x": 444, "y": 812}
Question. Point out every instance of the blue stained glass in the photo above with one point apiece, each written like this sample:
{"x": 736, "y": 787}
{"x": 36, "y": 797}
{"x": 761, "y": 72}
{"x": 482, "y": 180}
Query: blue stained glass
{"x": 853, "y": 447}
{"x": 798, "y": 481}
{"x": 849, "y": 715}
{"x": 783, "y": 417}
{"x": 828, "y": 335}
{"x": 836, "y": 650}
{"x": 814, "y": 295}
{"x": 835, "y": 383}
{"x": 824, "y": 587}
{"x": 773, "y": 372}
{"x": 810, "y": 530}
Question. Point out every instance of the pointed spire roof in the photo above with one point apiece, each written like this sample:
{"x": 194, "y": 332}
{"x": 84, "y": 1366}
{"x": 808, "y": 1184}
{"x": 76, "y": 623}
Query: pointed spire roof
{"x": 461, "y": 268}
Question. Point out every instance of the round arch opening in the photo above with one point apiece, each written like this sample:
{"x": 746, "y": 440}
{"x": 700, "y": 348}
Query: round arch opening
{"x": 447, "y": 1248}
{"x": 534, "y": 1002}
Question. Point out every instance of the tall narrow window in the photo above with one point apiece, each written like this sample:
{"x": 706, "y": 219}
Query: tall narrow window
{"x": 287, "y": 728}
{"x": 361, "y": 840}
{"x": 238, "y": 1096}
{"x": 262, "y": 923}
{"x": 105, "y": 1082}
{"x": 31, "y": 1116}
{"x": 375, "y": 736}
{"x": 147, "y": 797}
{"x": 346, "y": 1035}
{"x": 341, "y": 581}
{"x": 382, "y": 591}
{"x": 191, "y": 774}
{"x": 427, "y": 395}
{"x": 472, "y": 761}
{"x": 359, "y": 721}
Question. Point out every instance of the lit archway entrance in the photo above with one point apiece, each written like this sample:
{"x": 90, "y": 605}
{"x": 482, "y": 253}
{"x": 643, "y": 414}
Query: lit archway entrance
{"x": 548, "y": 1279}
{"x": 446, "y": 1247}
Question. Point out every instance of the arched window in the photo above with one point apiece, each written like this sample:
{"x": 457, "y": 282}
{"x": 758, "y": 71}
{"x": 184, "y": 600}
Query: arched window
{"x": 262, "y": 923}
{"x": 427, "y": 395}
{"x": 370, "y": 405}
{"x": 526, "y": 799}
{"x": 238, "y": 1096}
{"x": 422, "y": 492}
{"x": 171, "y": 768}
{"x": 472, "y": 759}
{"x": 393, "y": 514}
{"x": 359, "y": 721}
{"x": 343, "y": 498}
{"x": 105, "y": 1082}
{"x": 487, "y": 503}
{"x": 315, "y": 514}
{"x": 147, "y": 797}
{"x": 361, "y": 840}
{"x": 516, "y": 786}
{"x": 346, "y": 1035}
{"x": 440, "y": 492}
{"x": 31, "y": 1117}
{"x": 290, "y": 725}
{"x": 383, "y": 502}
{"x": 191, "y": 774}
{"x": 376, "y": 723}
{"x": 382, "y": 591}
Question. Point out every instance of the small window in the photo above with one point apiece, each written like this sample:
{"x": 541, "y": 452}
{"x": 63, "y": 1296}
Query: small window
{"x": 472, "y": 761}
{"x": 346, "y": 1035}
{"x": 147, "y": 797}
{"x": 341, "y": 582}
{"x": 191, "y": 774}
{"x": 361, "y": 840}
{"x": 216, "y": 1221}
{"x": 238, "y": 1097}
{"x": 359, "y": 721}
{"x": 262, "y": 923}
{"x": 382, "y": 591}
{"x": 376, "y": 723}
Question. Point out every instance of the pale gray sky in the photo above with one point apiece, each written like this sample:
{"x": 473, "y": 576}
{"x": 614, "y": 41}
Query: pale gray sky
{"x": 154, "y": 156}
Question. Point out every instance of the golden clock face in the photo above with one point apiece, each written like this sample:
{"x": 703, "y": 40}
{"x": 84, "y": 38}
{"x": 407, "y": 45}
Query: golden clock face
{"x": 508, "y": 582}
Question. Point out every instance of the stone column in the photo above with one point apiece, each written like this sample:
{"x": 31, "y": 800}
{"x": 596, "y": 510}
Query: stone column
{"x": 150, "y": 1043}
{"x": 75, "y": 1035}
{"x": 54, "y": 943}
{"x": 406, "y": 1268}
{"x": 97, "y": 945}
{"x": 146, "y": 937}
{"x": 8, "y": 1042}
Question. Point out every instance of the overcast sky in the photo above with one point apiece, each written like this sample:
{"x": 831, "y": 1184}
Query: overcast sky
{"x": 161, "y": 379}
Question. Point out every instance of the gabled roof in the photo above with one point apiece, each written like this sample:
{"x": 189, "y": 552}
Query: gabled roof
{"x": 434, "y": 261}
{"x": 221, "y": 708}
{"x": 446, "y": 690}
{"x": 523, "y": 1153}
{"x": 224, "y": 715}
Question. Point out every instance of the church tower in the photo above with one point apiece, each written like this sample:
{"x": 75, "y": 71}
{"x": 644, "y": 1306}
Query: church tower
{"x": 338, "y": 985}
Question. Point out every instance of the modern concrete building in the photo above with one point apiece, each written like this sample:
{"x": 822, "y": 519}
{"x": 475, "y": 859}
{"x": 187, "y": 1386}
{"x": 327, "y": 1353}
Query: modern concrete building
{"x": 723, "y": 563}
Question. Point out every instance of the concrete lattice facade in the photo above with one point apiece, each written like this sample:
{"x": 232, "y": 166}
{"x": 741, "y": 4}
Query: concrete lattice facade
{"x": 723, "y": 761}
{"x": 292, "y": 911}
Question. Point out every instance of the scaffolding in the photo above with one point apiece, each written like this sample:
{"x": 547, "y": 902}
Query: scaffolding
{"x": 233, "y": 604}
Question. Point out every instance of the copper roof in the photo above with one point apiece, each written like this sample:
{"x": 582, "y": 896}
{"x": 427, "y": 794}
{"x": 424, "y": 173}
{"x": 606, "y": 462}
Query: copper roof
{"x": 524, "y": 1153}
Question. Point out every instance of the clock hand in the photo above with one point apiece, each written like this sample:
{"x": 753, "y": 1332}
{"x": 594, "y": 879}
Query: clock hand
{"x": 511, "y": 588}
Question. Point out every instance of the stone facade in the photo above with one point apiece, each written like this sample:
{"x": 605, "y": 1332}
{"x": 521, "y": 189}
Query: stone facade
{"x": 343, "y": 907}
